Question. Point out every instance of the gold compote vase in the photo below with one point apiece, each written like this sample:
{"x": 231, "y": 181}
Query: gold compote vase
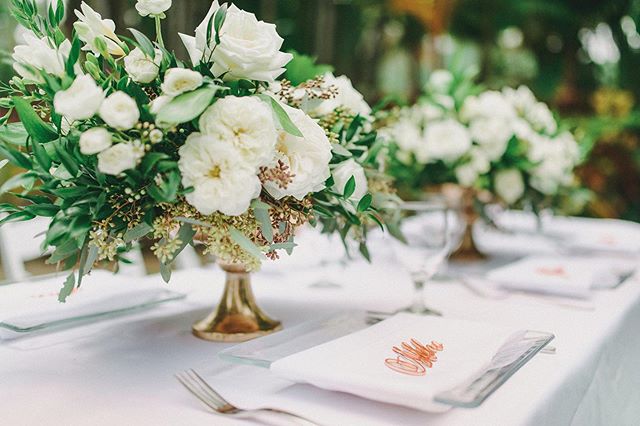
{"x": 237, "y": 317}
{"x": 463, "y": 201}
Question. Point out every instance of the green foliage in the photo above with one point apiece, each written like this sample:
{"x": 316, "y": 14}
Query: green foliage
{"x": 303, "y": 68}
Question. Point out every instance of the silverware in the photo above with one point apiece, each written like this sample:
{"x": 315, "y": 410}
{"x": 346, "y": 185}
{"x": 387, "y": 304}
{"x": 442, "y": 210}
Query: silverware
{"x": 199, "y": 388}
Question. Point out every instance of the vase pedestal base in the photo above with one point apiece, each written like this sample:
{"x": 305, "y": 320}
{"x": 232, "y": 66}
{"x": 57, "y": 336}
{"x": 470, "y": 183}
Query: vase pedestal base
{"x": 237, "y": 317}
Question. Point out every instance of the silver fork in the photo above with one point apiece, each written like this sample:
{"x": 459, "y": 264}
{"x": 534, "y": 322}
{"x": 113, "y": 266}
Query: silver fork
{"x": 199, "y": 388}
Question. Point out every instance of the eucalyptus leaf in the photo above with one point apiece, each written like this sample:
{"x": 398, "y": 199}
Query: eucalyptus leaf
{"x": 245, "y": 243}
{"x": 282, "y": 116}
{"x": 261, "y": 212}
{"x": 144, "y": 43}
{"x": 14, "y": 134}
{"x": 67, "y": 288}
{"x": 137, "y": 232}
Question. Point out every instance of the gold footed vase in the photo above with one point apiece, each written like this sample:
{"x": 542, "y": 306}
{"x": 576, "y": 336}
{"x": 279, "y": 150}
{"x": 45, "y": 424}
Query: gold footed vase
{"x": 237, "y": 317}
{"x": 463, "y": 200}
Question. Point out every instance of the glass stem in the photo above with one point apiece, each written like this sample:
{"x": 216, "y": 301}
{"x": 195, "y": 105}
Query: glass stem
{"x": 418, "y": 297}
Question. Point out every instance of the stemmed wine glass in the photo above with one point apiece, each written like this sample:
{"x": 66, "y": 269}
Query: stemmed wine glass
{"x": 424, "y": 245}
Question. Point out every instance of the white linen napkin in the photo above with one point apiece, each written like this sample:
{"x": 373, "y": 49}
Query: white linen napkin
{"x": 365, "y": 364}
{"x": 562, "y": 275}
{"x": 31, "y": 307}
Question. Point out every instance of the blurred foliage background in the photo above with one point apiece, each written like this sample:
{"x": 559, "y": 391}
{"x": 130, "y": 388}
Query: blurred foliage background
{"x": 581, "y": 56}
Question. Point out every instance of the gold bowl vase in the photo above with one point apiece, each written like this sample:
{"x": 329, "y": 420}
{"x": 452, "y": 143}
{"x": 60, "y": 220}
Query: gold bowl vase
{"x": 237, "y": 317}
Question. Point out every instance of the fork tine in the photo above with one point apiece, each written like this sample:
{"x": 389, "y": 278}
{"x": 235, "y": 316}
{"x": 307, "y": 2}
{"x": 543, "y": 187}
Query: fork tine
{"x": 184, "y": 381}
{"x": 224, "y": 405}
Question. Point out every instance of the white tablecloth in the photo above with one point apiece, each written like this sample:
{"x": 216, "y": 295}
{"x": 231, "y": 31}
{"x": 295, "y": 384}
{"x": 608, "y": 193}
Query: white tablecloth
{"x": 120, "y": 371}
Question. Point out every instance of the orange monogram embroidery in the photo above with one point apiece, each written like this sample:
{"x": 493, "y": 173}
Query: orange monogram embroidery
{"x": 414, "y": 359}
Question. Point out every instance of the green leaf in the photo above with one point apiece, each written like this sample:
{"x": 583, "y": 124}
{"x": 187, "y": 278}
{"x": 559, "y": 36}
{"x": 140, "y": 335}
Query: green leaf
{"x": 349, "y": 187}
{"x": 365, "y": 251}
{"x": 187, "y": 106}
{"x": 261, "y": 212}
{"x": 282, "y": 116}
{"x": 33, "y": 124}
{"x": 20, "y": 216}
{"x": 67, "y": 288}
{"x": 165, "y": 272}
{"x": 193, "y": 221}
{"x": 340, "y": 150}
{"x": 218, "y": 21}
{"x": 245, "y": 243}
{"x": 14, "y": 134}
{"x": 24, "y": 180}
{"x": 67, "y": 160}
{"x": 74, "y": 54}
{"x": 137, "y": 232}
{"x": 15, "y": 156}
{"x": 41, "y": 155}
{"x": 145, "y": 44}
{"x": 365, "y": 202}
{"x": 44, "y": 210}
{"x": 283, "y": 246}
{"x": 63, "y": 251}
{"x": 87, "y": 259}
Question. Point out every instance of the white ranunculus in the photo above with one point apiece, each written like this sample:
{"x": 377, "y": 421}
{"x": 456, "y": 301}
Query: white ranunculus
{"x": 118, "y": 158}
{"x": 39, "y": 54}
{"x": 347, "y": 97}
{"x": 492, "y": 134}
{"x": 446, "y": 140}
{"x": 440, "y": 81}
{"x": 140, "y": 67}
{"x": 248, "y": 48}
{"x": 509, "y": 185}
{"x": 120, "y": 111}
{"x": 80, "y": 101}
{"x": 91, "y": 26}
{"x": 247, "y": 124}
{"x": 181, "y": 80}
{"x": 307, "y": 157}
{"x": 222, "y": 180}
{"x": 341, "y": 175}
{"x": 490, "y": 103}
{"x": 152, "y": 7}
{"x": 95, "y": 140}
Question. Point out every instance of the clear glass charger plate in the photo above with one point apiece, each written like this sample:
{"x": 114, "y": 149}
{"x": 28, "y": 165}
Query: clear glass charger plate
{"x": 262, "y": 352}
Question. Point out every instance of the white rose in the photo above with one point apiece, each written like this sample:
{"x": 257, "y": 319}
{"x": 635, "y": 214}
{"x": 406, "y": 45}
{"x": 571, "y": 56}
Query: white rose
{"x": 488, "y": 104}
{"x": 95, "y": 140}
{"x": 140, "y": 67}
{"x": 80, "y": 101}
{"x": 492, "y": 134}
{"x": 38, "y": 53}
{"x": 180, "y": 80}
{"x": 91, "y": 26}
{"x": 347, "y": 97}
{"x": 248, "y": 48}
{"x": 247, "y": 124}
{"x": 446, "y": 140}
{"x": 221, "y": 179}
{"x": 152, "y": 7}
{"x": 440, "y": 81}
{"x": 118, "y": 158}
{"x": 307, "y": 157}
{"x": 120, "y": 111}
{"x": 343, "y": 173}
{"x": 509, "y": 185}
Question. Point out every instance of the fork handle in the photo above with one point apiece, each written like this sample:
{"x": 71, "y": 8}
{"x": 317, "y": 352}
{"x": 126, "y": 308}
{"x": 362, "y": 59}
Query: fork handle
{"x": 277, "y": 416}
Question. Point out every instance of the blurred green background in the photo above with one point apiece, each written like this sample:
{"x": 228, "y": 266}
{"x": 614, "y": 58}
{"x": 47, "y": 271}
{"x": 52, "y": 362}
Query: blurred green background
{"x": 581, "y": 56}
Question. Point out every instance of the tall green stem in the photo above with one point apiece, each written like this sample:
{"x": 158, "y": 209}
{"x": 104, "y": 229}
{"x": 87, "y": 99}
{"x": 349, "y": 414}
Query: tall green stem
{"x": 159, "y": 31}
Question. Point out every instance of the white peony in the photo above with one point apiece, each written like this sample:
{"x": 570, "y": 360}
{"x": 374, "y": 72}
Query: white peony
{"x": 307, "y": 157}
{"x": 347, "y": 97}
{"x": 509, "y": 185}
{"x": 446, "y": 140}
{"x": 248, "y": 48}
{"x": 80, "y": 101}
{"x": 120, "y": 111}
{"x": 341, "y": 175}
{"x": 492, "y": 134}
{"x": 95, "y": 140}
{"x": 247, "y": 124}
{"x": 490, "y": 103}
{"x": 91, "y": 26}
{"x": 39, "y": 54}
{"x": 221, "y": 179}
{"x": 140, "y": 67}
{"x": 118, "y": 158}
{"x": 180, "y": 80}
{"x": 152, "y": 7}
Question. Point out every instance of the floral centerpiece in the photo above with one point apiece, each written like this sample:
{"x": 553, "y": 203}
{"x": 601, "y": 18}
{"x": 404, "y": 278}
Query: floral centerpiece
{"x": 496, "y": 145}
{"x": 122, "y": 140}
